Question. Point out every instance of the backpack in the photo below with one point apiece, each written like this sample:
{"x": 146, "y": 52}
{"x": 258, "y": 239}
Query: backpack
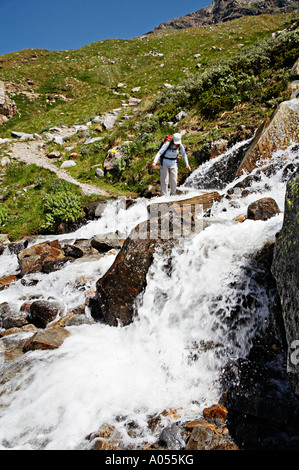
{"x": 168, "y": 138}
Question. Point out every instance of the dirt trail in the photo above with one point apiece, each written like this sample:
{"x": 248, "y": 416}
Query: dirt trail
{"x": 31, "y": 152}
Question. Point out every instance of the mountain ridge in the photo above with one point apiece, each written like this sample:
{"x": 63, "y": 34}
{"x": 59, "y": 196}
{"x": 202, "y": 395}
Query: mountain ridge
{"x": 220, "y": 11}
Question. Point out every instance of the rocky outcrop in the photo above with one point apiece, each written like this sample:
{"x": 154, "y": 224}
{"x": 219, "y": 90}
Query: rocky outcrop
{"x": 263, "y": 411}
{"x": 220, "y": 11}
{"x": 221, "y": 172}
{"x": 7, "y": 106}
{"x": 286, "y": 271}
{"x": 119, "y": 288}
{"x": 274, "y": 134}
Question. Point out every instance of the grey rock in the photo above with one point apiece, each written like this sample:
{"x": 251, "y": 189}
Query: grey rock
{"x": 171, "y": 438}
{"x": 108, "y": 121}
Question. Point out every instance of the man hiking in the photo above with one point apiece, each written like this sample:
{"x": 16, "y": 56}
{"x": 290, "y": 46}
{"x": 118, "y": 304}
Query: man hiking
{"x": 168, "y": 154}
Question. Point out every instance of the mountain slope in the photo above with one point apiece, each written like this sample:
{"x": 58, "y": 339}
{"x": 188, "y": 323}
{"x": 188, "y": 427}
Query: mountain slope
{"x": 227, "y": 80}
{"x": 220, "y": 11}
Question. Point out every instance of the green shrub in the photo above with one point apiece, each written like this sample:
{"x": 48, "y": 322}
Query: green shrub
{"x": 257, "y": 74}
{"x": 3, "y": 215}
{"x": 61, "y": 207}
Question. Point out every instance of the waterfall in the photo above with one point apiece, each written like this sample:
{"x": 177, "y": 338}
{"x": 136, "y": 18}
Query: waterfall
{"x": 192, "y": 320}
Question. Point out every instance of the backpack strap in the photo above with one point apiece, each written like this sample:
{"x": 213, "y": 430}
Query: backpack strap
{"x": 168, "y": 138}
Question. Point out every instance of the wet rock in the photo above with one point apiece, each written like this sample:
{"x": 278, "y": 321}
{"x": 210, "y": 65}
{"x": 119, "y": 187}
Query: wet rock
{"x": 95, "y": 209}
{"x": 51, "y": 338}
{"x": 171, "y": 438}
{"x": 285, "y": 269}
{"x": 79, "y": 319}
{"x": 10, "y": 331}
{"x": 74, "y": 251}
{"x": 118, "y": 289}
{"x": 106, "y": 438}
{"x": 219, "y": 147}
{"x": 215, "y": 412}
{"x": 7, "y": 280}
{"x": 43, "y": 312}
{"x": 263, "y": 209}
{"x": 221, "y": 172}
{"x": 55, "y": 265}
{"x": 10, "y": 318}
{"x": 209, "y": 436}
{"x": 106, "y": 242}
{"x": 28, "y": 328}
{"x": 18, "y": 246}
{"x": 32, "y": 259}
{"x": 201, "y": 438}
{"x": 184, "y": 206}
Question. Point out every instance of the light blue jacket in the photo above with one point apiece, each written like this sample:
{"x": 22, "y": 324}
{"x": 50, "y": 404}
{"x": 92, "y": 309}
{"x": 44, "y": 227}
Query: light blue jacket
{"x": 171, "y": 154}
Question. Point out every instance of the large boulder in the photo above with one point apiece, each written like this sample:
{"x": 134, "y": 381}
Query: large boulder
{"x": 274, "y": 134}
{"x": 35, "y": 258}
{"x": 285, "y": 269}
{"x": 185, "y": 207}
{"x": 262, "y": 209}
{"x": 118, "y": 289}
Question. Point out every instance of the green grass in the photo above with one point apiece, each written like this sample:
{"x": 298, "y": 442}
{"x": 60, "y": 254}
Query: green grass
{"x": 22, "y": 194}
{"x": 88, "y": 78}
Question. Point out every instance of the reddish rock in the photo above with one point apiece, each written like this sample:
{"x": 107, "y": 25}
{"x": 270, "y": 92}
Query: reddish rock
{"x": 34, "y": 258}
{"x": 51, "y": 338}
{"x": 215, "y": 412}
{"x": 262, "y": 209}
{"x": 7, "y": 280}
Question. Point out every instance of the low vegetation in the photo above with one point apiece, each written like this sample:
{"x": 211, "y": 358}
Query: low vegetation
{"x": 227, "y": 79}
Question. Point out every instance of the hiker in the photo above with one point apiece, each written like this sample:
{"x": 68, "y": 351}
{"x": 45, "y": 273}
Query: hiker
{"x": 168, "y": 154}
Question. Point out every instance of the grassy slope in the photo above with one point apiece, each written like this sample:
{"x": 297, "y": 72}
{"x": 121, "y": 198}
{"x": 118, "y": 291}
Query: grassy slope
{"x": 71, "y": 87}
{"x": 88, "y": 78}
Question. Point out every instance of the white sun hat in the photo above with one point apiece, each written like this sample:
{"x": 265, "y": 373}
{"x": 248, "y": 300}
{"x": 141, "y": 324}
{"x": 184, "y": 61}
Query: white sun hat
{"x": 177, "y": 139}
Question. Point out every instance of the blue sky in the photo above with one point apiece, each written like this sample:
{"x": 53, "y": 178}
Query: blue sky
{"x": 70, "y": 24}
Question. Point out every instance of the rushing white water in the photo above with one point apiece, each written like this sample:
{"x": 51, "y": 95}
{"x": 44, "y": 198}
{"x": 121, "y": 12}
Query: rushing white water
{"x": 186, "y": 332}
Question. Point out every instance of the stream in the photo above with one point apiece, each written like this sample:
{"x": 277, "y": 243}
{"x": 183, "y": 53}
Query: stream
{"x": 173, "y": 354}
